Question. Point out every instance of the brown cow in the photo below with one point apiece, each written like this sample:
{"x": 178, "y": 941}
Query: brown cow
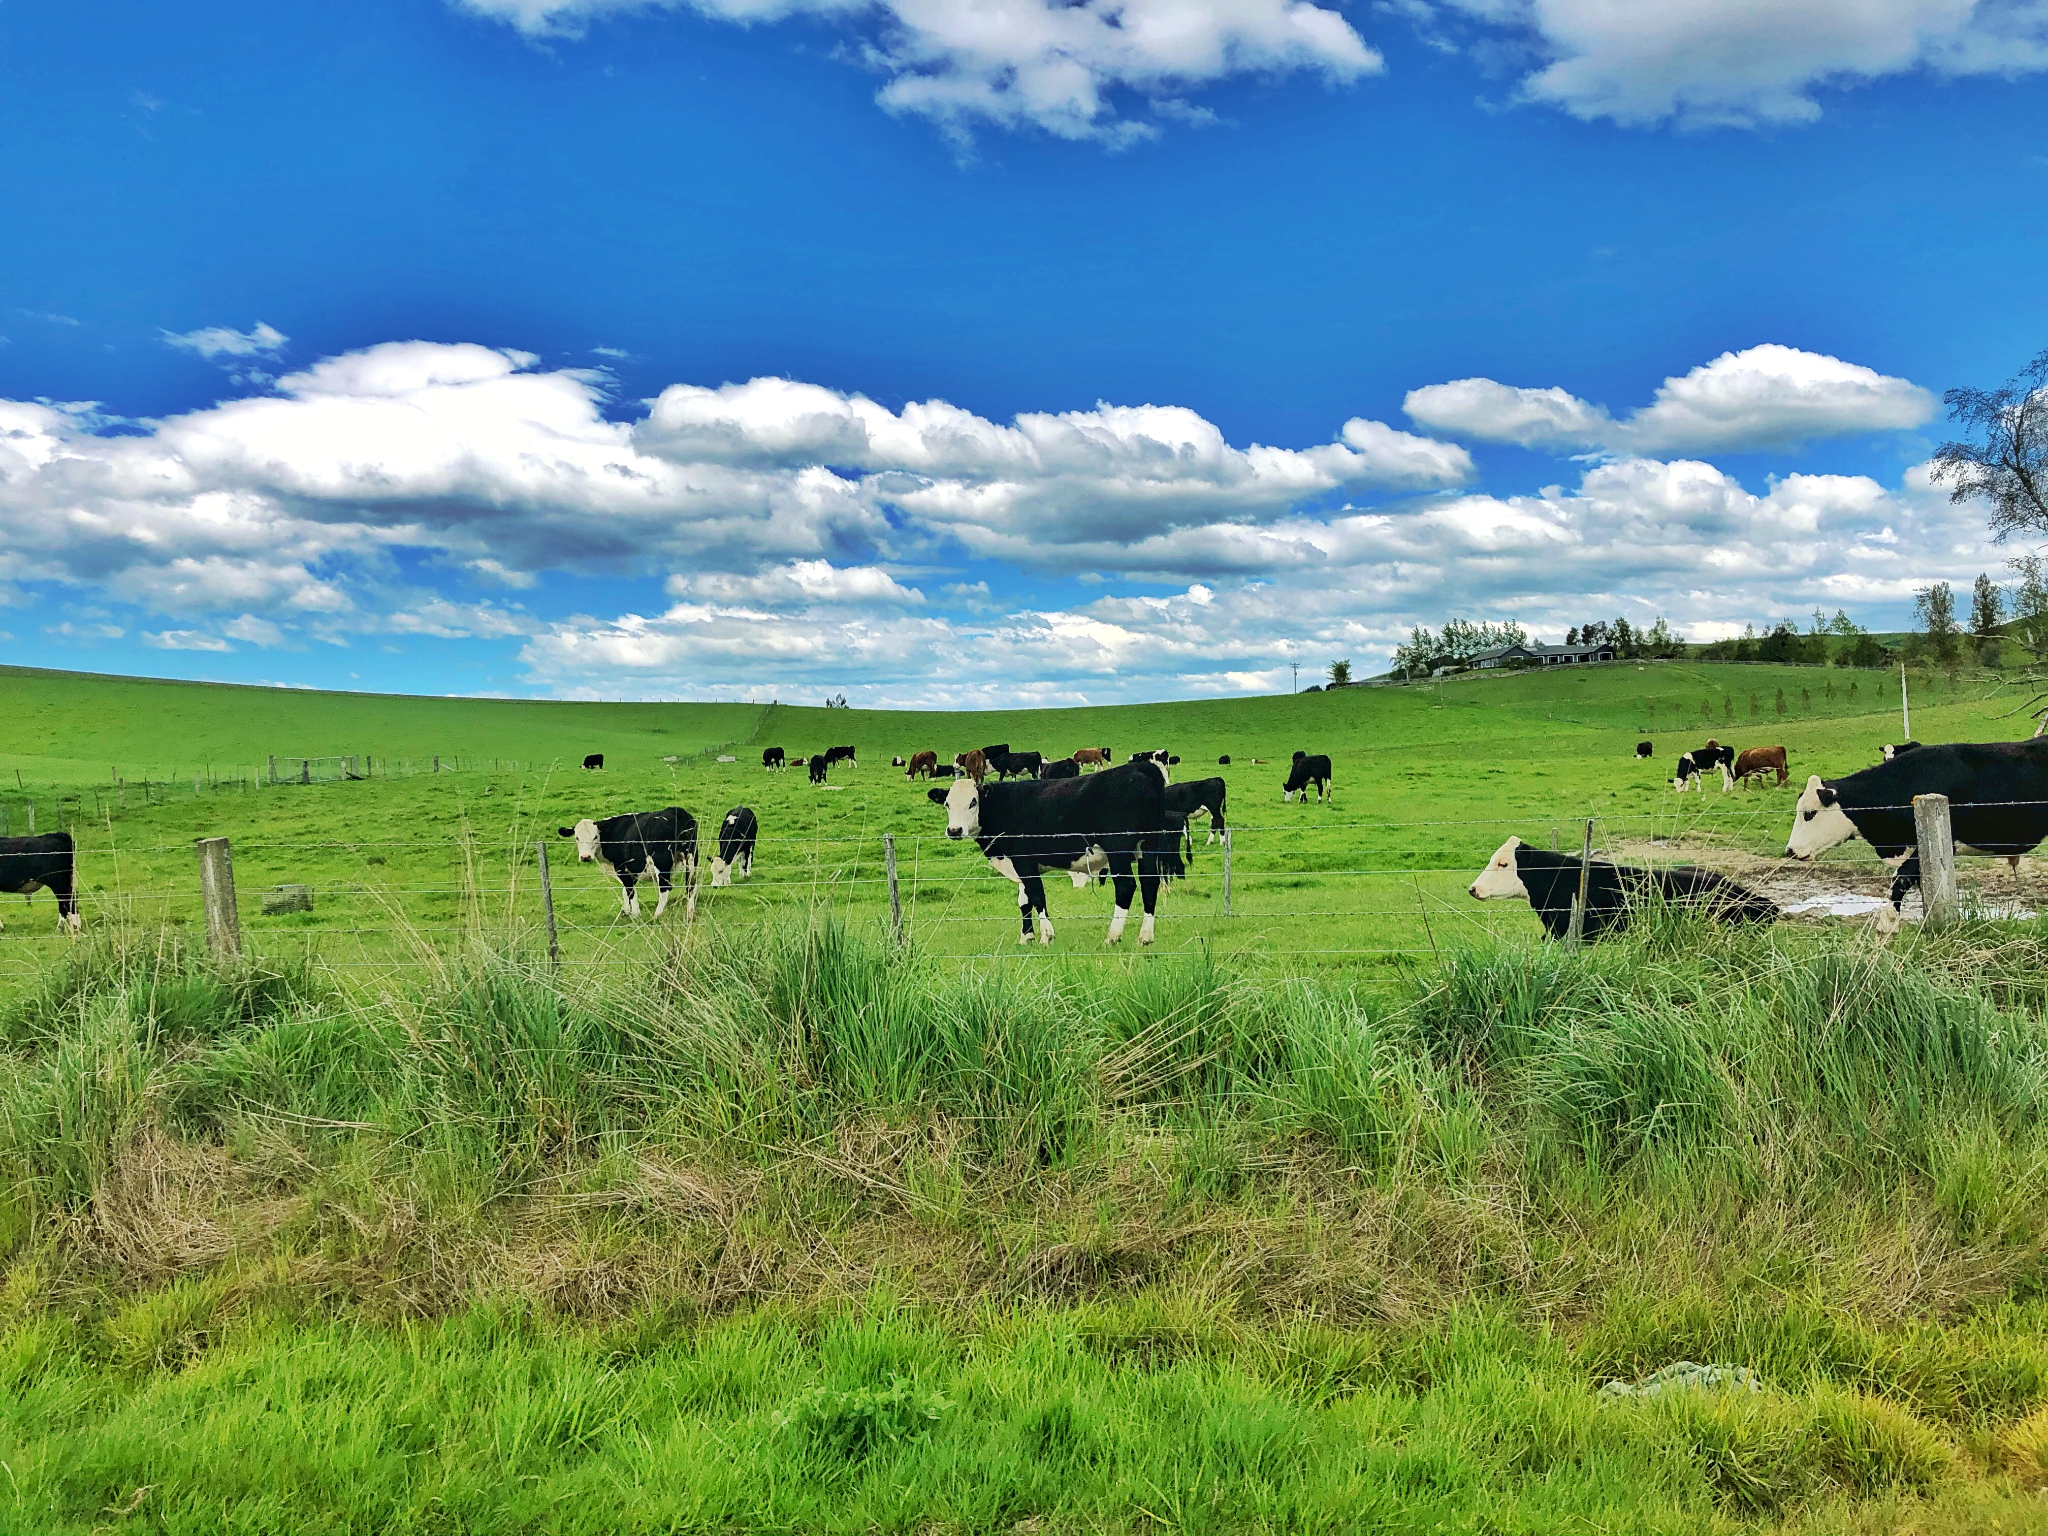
{"x": 926, "y": 763}
{"x": 1093, "y": 757}
{"x": 1760, "y": 761}
{"x": 973, "y": 764}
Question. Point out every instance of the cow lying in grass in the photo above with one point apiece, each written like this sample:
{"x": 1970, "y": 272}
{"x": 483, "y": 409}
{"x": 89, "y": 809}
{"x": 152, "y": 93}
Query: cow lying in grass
{"x": 1550, "y": 883}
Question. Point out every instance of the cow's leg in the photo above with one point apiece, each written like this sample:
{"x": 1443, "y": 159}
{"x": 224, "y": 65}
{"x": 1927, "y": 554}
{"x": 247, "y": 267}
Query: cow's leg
{"x": 1149, "y": 885}
{"x": 689, "y": 868}
{"x": 629, "y": 900}
{"x": 1023, "y": 911}
{"x": 67, "y": 909}
{"x": 1034, "y": 894}
{"x": 1126, "y": 887}
{"x": 1906, "y": 880}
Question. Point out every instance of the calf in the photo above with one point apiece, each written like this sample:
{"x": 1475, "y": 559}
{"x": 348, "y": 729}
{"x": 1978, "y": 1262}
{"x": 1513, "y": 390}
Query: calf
{"x": 1759, "y": 762}
{"x": 1115, "y": 821}
{"x": 1694, "y": 766}
{"x": 1306, "y": 771}
{"x": 1065, "y": 768}
{"x": 1550, "y": 884}
{"x": 1184, "y": 801}
{"x": 922, "y": 764}
{"x": 774, "y": 758}
{"x": 974, "y": 764}
{"x": 1016, "y": 765}
{"x": 47, "y": 862}
{"x": 635, "y": 844}
{"x": 1645, "y": 749}
{"x": 819, "y": 763}
{"x": 1093, "y": 757}
{"x": 735, "y": 857}
{"x": 595, "y": 760}
{"x": 1997, "y": 795}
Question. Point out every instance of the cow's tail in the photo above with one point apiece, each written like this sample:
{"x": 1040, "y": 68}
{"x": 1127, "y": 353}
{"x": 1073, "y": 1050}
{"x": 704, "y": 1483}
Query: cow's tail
{"x": 1159, "y": 856}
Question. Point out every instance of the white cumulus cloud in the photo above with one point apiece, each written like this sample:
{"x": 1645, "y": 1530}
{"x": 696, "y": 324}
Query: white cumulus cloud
{"x": 222, "y": 341}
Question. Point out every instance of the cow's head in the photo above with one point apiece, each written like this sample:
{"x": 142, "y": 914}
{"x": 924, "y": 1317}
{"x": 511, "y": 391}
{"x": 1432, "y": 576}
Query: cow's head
{"x": 1501, "y": 880}
{"x": 1686, "y": 769}
{"x": 963, "y": 807}
{"x": 1819, "y": 823}
{"x": 585, "y": 833}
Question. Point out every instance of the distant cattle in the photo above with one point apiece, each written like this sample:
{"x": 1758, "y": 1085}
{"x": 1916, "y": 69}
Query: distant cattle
{"x": 923, "y": 764}
{"x": 1891, "y": 751}
{"x": 48, "y": 862}
{"x": 1160, "y": 756}
{"x": 819, "y": 763}
{"x": 944, "y": 771}
{"x": 840, "y": 755}
{"x": 1172, "y": 762}
{"x": 735, "y": 857}
{"x": 990, "y": 754}
{"x": 774, "y": 758}
{"x": 1694, "y": 766}
{"x": 1191, "y": 799}
{"x": 1306, "y": 771}
{"x": 895, "y": 762}
{"x": 1223, "y": 761}
{"x": 1016, "y": 765}
{"x": 1645, "y": 749}
{"x": 1759, "y": 763}
{"x": 1115, "y": 821}
{"x": 974, "y": 764}
{"x": 595, "y": 760}
{"x": 1997, "y": 794}
{"x": 1064, "y": 768}
{"x": 1550, "y": 884}
{"x": 1093, "y": 757}
{"x": 636, "y": 844}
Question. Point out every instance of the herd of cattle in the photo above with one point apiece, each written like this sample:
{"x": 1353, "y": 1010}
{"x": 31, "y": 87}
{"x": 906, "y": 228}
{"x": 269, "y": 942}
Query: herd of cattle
{"x": 1128, "y": 825}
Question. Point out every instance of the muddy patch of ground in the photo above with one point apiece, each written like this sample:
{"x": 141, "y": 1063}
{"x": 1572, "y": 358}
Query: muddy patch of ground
{"x": 1847, "y": 887}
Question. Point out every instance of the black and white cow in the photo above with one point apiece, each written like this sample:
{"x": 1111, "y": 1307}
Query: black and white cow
{"x": 635, "y": 844}
{"x": 1184, "y": 801}
{"x": 1891, "y": 751}
{"x": 1694, "y": 766}
{"x": 1307, "y": 770}
{"x": 1158, "y": 757}
{"x": 819, "y": 763}
{"x": 1550, "y": 883}
{"x": 1997, "y": 804}
{"x": 47, "y": 862}
{"x": 774, "y": 757}
{"x": 1017, "y": 765}
{"x": 735, "y": 857}
{"x": 840, "y": 755}
{"x": 1646, "y": 749}
{"x": 1114, "y": 821}
{"x": 595, "y": 760}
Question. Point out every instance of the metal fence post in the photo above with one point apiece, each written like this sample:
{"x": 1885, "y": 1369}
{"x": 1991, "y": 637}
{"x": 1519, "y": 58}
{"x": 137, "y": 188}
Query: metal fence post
{"x": 217, "y": 890}
{"x": 1936, "y": 850}
{"x": 437, "y": 762}
{"x": 305, "y": 770}
{"x": 273, "y": 767}
{"x": 1576, "y": 933}
{"x": 895, "y": 895}
{"x": 547, "y": 903}
{"x": 1226, "y": 871}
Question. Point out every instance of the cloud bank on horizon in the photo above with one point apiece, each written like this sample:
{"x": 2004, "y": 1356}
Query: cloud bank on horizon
{"x": 805, "y": 538}
{"x": 1071, "y": 70}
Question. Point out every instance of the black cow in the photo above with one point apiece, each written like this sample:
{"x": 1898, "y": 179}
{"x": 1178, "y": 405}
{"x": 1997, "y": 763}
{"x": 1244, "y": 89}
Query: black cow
{"x": 735, "y": 857}
{"x": 636, "y": 843}
{"x": 1223, "y": 761}
{"x": 595, "y": 760}
{"x": 1550, "y": 882}
{"x": 839, "y": 755}
{"x": 1997, "y": 797}
{"x": 48, "y": 862}
{"x": 1191, "y": 798}
{"x": 1306, "y": 771}
{"x": 774, "y": 757}
{"x": 1891, "y": 751}
{"x": 1645, "y": 749}
{"x": 1694, "y": 766}
{"x": 1114, "y": 821}
{"x": 1017, "y": 765}
{"x": 819, "y": 763}
{"x": 1065, "y": 768}
{"x": 990, "y": 754}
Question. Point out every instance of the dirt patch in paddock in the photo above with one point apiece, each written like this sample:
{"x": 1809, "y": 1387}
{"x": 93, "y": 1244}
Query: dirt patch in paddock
{"x": 1839, "y": 889}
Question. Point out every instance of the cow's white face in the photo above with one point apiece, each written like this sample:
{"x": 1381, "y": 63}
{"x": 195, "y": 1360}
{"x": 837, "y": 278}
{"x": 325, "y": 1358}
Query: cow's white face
{"x": 1500, "y": 880}
{"x": 963, "y": 807}
{"x": 1819, "y": 823}
{"x": 585, "y": 833}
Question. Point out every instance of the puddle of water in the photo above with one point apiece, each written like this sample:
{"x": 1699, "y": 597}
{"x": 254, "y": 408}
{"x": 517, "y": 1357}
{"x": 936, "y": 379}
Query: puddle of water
{"x": 1839, "y": 904}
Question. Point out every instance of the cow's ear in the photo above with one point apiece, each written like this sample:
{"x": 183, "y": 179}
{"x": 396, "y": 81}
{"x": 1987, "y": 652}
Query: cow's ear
{"x": 566, "y": 831}
{"x": 936, "y": 796}
{"x": 1827, "y": 796}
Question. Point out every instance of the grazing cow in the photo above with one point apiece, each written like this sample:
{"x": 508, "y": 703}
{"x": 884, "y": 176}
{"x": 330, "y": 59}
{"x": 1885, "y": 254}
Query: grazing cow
{"x": 1158, "y": 757}
{"x": 47, "y": 862}
{"x": 1016, "y": 765}
{"x": 944, "y": 771}
{"x": 896, "y": 762}
{"x": 1645, "y": 749}
{"x": 990, "y": 754}
{"x": 1759, "y": 763}
{"x": 974, "y": 764}
{"x": 1093, "y": 757}
{"x": 1306, "y": 771}
{"x": 774, "y": 757}
{"x": 1065, "y": 768}
{"x": 595, "y": 760}
{"x": 840, "y": 755}
{"x": 636, "y": 843}
{"x": 1694, "y": 766}
{"x": 1172, "y": 762}
{"x": 1550, "y": 883}
{"x": 1223, "y": 761}
{"x": 1891, "y": 751}
{"x": 1299, "y": 755}
{"x": 1997, "y": 796}
{"x": 1115, "y": 821}
{"x": 1186, "y": 800}
{"x": 819, "y": 763}
{"x": 925, "y": 763}
{"x": 735, "y": 857}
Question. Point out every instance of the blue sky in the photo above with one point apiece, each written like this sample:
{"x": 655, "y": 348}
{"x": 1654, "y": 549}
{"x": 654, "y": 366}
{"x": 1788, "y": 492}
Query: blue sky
{"x": 1001, "y": 352}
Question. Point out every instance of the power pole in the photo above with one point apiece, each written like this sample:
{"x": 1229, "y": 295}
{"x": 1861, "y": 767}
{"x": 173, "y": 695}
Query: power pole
{"x": 1297, "y": 677}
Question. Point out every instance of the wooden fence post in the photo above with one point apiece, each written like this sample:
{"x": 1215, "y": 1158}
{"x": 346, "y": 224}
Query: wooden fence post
{"x": 1936, "y": 850}
{"x": 1575, "y": 935}
{"x": 217, "y": 890}
{"x": 1226, "y": 871}
{"x": 895, "y": 896}
{"x": 305, "y": 770}
{"x": 273, "y": 767}
{"x": 547, "y": 904}
{"x": 437, "y": 762}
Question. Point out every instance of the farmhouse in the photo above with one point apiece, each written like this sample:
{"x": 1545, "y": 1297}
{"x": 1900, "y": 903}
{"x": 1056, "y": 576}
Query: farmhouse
{"x": 1543, "y": 655}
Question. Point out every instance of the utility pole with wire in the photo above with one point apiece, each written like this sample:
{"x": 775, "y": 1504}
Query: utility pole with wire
{"x": 1297, "y": 677}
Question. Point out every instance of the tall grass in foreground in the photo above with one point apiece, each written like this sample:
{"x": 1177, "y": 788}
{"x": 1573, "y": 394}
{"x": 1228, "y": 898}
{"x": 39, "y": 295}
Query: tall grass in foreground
{"x": 1248, "y": 1245}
